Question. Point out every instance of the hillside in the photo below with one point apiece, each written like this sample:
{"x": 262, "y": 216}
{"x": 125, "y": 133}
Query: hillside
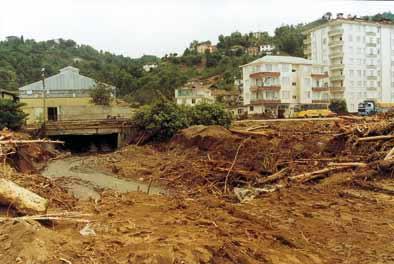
{"x": 21, "y": 62}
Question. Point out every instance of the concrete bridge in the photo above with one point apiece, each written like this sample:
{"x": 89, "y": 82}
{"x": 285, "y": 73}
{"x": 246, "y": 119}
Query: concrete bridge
{"x": 121, "y": 130}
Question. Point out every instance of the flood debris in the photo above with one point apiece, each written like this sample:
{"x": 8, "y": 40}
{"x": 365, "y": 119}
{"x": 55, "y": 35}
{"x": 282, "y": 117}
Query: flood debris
{"x": 303, "y": 191}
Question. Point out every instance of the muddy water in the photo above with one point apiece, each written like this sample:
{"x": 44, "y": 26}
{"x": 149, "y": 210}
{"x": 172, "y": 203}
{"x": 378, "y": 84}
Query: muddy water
{"x": 84, "y": 182}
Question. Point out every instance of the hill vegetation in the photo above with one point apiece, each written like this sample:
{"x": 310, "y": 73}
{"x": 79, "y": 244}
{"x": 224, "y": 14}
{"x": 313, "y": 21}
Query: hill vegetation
{"x": 21, "y": 61}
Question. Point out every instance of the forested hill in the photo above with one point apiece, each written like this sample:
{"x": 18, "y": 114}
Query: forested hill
{"x": 21, "y": 61}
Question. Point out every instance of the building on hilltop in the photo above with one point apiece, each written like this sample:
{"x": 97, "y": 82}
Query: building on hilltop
{"x": 276, "y": 84}
{"x": 67, "y": 96}
{"x": 203, "y": 47}
{"x": 360, "y": 56}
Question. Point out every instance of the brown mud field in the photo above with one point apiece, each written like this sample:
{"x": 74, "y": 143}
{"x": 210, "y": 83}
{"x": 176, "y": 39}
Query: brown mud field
{"x": 283, "y": 192}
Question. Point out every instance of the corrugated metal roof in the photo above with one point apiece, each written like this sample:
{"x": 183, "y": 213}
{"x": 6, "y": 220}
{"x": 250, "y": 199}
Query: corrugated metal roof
{"x": 68, "y": 79}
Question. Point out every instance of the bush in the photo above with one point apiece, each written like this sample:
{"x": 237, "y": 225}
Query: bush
{"x": 209, "y": 114}
{"x": 338, "y": 106}
{"x": 161, "y": 120}
{"x": 101, "y": 94}
{"x": 11, "y": 116}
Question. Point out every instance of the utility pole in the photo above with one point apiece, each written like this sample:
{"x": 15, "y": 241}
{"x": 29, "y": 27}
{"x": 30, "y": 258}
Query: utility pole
{"x": 43, "y": 97}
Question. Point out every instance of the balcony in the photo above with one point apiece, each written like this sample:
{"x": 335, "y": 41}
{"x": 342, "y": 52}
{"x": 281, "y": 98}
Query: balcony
{"x": 321, "y": 101}
{"x": 265, "y": 88}
{"x": 337, "y": 78}
{"x": 257, "y": 75}
{"x": 335, "y": 32}
{"x": 335, "y": 43}
{"x": 337, "y": 67}
{"x": 372, "y": 55}
{"x": 372, "y": 89}
{"x": 320, "y": 89}
{"x": 265, "y": 101}
{"x": 336, "y": 54}
{"x": 338, "y": 89}
{"x": 319, "y": 75}
{"x": 371, "y": 66}
{"x": 370, "y": 33}
{"x": 370, "y": 44}
{"x": 372, "y": 78}
{"x": 307, "y": 41}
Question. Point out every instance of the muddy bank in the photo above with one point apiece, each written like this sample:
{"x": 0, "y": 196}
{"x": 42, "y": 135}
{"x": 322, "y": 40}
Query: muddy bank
{"x": 86, "y": 182}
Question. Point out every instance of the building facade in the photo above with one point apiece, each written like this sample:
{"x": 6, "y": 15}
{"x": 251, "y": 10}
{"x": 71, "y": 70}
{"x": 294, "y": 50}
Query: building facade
{"x": 276, "y": 84}
{"x": 192, "y": 93}
{"x": 360, "y": 55}
{"x": 64, "y": 92}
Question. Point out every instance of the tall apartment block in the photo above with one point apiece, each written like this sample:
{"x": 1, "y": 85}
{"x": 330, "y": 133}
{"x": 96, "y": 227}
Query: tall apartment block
{"x": 277, "y": 84}
{"x": 360, "y": 56}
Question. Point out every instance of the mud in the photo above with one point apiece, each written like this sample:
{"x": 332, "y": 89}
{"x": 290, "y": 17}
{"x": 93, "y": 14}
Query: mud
{"x": 86, "y": 182}
{"x": 344, "y": 217}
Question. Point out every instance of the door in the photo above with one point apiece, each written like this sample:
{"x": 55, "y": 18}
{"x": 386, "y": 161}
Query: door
{"x": 52, "y": 114}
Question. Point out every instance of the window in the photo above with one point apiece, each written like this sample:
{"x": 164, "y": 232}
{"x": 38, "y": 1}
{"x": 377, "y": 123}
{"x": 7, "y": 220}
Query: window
{"x": 358, "y": 39}
{"x": 268, "y": 67}
{"x": 193, "y": 101}
{"x": 350, "y": 38}
{"x": 286, "y": 81}
{"x": 307, "y": 81}
{"x": 293, "y": 70}
{"x": 308, "y": 95}
{"x": 351, "y": 73}
{"x": 294, "y": 83}
{"x": 358, "y": 73}
{"x": 251, "y": 108}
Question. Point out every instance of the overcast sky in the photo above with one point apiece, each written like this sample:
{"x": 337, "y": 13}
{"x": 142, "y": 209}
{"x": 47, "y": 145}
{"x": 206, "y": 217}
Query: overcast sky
{"x": 137, "y": 27}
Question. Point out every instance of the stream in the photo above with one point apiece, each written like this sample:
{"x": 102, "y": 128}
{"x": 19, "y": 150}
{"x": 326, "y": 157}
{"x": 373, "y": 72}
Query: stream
{"x": 85, "y": 183}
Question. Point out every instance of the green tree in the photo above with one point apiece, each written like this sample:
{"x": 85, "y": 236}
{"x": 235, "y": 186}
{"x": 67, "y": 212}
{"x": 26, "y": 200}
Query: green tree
{"x": 11, "y": 115}
{"x": 289, "y": 39}
{"x": 101, "y": 94}
{"x": 338, "y": 106}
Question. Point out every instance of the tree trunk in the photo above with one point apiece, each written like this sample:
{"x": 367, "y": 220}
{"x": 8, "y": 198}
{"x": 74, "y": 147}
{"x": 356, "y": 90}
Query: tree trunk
{"x": 21, "y": 199}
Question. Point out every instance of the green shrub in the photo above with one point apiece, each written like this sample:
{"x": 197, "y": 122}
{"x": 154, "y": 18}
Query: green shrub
{"x": 209, "y": 114}
{"x": 161, "y": 120}
{"x": 338, "y": 106}
{"x": 11, "y": 116}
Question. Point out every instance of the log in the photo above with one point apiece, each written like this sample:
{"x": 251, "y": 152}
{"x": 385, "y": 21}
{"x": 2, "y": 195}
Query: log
{"x": 256, "y": 128}
{"x": 305, "y": 177}
{"x": 363, "y": 139}
{"x": 7, "y": 142}
{"x": 21, "y": 199}
{"x": 348, "y": 164}
{"x": 352, "y": 117}
{"x": 274, "y": 177}
{"x": 389, "y": 154}
{"x": 249, "y": 133}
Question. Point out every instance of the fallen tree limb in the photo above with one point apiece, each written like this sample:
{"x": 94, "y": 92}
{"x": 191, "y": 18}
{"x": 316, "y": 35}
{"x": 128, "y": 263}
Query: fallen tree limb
{"x": 305, "y": 177}
{"x": 374, "y": 138}
{"x": 21, "y": 199}
{"x": 352, "y": 117}
{"x": 71, "y": 216}
{"x": 389, "y": 154}
{"x": 348, "y": 164}
{"x": 249, "y": 133}
{"x": 274, "y": 177}
{"x": 7, "y": 142}
{"x": 246, "y": 174}
{"x": 256, "y": 128}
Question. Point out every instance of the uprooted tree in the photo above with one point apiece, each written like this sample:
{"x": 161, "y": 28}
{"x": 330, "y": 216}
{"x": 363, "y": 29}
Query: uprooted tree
{"x": 11, "y": 115}
{"x": 338, "y": 106}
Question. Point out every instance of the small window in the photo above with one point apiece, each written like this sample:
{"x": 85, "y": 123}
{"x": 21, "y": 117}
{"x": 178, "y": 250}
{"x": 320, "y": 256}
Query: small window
{"x": 294, "y": 83}
{"x": 240, "y": 111}
{"x": 251, "y": 108}
{"x": 193, "y": 101}
{"x": 293, "y": 70}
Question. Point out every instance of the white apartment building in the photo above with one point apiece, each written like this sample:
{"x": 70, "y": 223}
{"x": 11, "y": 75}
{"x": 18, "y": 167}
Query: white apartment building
{"x": 194, "y": 92}
{"x": 277, "y": 84}
{"x": 360, "y": 55}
